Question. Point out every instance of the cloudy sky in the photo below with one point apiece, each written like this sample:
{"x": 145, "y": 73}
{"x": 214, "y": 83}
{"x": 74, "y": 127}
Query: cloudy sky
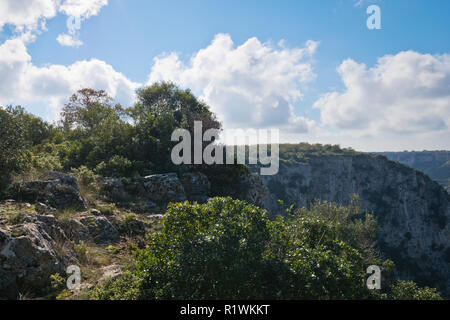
{"x": 310, "y": 68}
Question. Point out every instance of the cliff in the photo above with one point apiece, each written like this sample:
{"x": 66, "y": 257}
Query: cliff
{"x": 436, "y": 164}
{"x": 412, "y": 211}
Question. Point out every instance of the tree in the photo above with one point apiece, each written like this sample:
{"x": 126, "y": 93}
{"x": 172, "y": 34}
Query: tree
{"x": 96, "y": 130}
{"x": 12, "y": 144}
{"x": 162, "y": 108}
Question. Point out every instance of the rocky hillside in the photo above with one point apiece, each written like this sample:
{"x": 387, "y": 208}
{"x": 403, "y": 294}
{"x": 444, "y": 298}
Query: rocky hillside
{"x": 413, "y": 211}
{"x": 49, "y": 223}
{"x": 436, "y": 164}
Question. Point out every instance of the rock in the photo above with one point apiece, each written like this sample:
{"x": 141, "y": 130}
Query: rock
{"x": 163, "y": 188}
{"x": 44, "y": 209}
{"x": 95, "y": 212}
{"x": 111, "y": 271}
{"x": 255, "y": 189}
{"x": 29, "y": 254}
{"x": 196, "y": 186}
{"x": 412, "y": 211}
{"x": 56, "y": 189}
{"x": 129, "y": 226}
{"x": 99, "y": 229}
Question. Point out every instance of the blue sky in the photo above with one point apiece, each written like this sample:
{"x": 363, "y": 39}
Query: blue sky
{"x": 127, "y": 35}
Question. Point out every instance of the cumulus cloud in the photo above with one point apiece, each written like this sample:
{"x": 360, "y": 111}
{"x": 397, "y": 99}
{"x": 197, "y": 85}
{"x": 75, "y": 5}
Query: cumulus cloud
{"x": 251, "y": 85}
{"x": 82, "y": 8}
{"x": 26, "y": 14}
{"x": 68, "y": 40}
{"x": 406, "y": 93}
{"x": 30, "y": 15}
{"x": 22, "y": 82}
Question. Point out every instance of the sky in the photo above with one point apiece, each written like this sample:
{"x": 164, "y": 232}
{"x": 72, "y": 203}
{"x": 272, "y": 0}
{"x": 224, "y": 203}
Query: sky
{"x": 312, "y": 69}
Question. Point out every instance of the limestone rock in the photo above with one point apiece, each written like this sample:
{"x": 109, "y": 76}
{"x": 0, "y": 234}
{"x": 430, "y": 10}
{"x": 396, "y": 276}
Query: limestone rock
{"x": 99, "y": 229}
{"x": 30, "y": 253}
{"x": 163, "y": 188}
{"x": 54, "y": 189}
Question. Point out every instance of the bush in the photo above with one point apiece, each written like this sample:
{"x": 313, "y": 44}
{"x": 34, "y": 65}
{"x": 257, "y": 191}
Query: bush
{"x": 85, "y": 176}
{"x": 229, "y": 249}
{"x": 117, "y": 166}
{"x": 408, "y": 290}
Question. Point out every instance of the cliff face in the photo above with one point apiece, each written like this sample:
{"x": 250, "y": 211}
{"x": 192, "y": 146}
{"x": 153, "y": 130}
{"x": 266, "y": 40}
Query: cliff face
{"x": 436, "y": 164}
{"x": 413, "y": 212}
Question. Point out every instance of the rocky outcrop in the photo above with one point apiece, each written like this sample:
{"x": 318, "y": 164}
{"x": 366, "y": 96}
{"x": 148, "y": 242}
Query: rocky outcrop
{"x": 413, "y": 212}
{"x": 163, "y": 188}
{"x": 90, "y": 228}
{"x": 436, "y": 164}
{"x": 196, "y": 186}
{"x": 30, "y": 253}
{"x": 55, "y": 189}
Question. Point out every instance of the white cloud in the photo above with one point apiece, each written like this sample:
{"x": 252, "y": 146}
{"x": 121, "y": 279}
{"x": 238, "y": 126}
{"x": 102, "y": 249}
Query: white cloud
{"x": 26, "y": 14}
{"x": 30, "y": 15}
{"x": 22, "y": 82}
{"x": 82, "y": 8}
{"x": 406, "y": 93}
{"x": 252, "y": 85}
{"x": 68, "y": 40}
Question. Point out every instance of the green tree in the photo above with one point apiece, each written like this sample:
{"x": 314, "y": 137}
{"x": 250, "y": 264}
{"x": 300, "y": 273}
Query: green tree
{"x": 12, "y": 144}
{"x": 160, "y": 109}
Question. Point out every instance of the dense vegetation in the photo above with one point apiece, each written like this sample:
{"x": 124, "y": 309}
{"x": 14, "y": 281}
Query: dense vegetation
{"x": 95, "y": 134}
{"x": 229, "y": 249}
{"x": 225, "y": 249}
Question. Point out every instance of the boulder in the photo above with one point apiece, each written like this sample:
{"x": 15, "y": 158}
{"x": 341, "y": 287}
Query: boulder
{"x": 196, "y": 186}
{"x": 44, "y": 209}
{"x": 163, "y": 188}
{"x": 29, "y": 254}
{"x": 99, "y": 229}
{"x": 54, "y": 189}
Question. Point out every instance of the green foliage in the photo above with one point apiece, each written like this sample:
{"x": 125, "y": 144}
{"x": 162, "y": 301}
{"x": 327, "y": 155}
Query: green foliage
{"x": 85, "y": 176}
{"x": 17, "y": 218}
{"x": 229, "y": 249}
{"x": 302, "y": 152}
{"x": 12, "y": 144}
{"x": 117, "y": 166}
{"x": 57, "y": 282}
{"x": 107, "y": 209}
{"x": 408, "y": 290}
{"x": 162, "y": 108}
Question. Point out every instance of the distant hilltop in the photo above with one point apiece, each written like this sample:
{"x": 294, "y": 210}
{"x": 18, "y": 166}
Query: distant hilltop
{"x": 436, "y": 164}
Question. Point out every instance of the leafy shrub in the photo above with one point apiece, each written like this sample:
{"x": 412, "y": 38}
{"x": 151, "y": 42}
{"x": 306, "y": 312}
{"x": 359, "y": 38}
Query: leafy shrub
{"x": 229, "y": 249}
{"x": 85, "y": 176}
{"x": 117, "y": 166}
{"x": 408, "y": 290}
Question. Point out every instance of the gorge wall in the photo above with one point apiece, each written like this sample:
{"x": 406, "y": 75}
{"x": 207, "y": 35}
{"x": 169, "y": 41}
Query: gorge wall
{"x": 412, "y": 211}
